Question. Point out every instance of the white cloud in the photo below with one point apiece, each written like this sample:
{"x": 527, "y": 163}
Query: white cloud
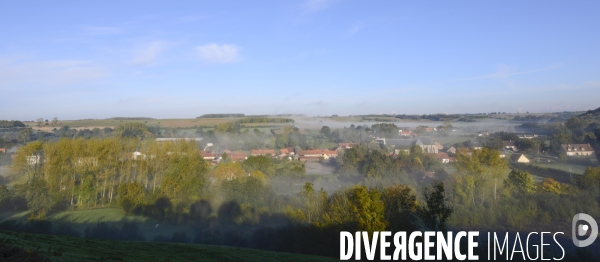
{"x": 311, "y": 6}
{"x": 218, "y": 54}
{"x": 147, "y": 55}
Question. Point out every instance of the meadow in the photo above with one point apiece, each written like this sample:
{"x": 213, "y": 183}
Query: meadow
{"x": 64, "y": 248}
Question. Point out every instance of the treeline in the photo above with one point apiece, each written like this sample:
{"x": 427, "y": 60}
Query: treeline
{"x": 444, "y": 117}
{"x": 131, "y": 118}
{"x": 248, "y": 120}
{"x": 221, "y": 116}
{"x": 11, "y": 123}
{"x": 83, "y": 173}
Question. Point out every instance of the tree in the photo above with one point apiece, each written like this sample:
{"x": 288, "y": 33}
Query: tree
{"x": 130, "y": 196}
{"x": 229, "y": 171}
{"x": 436, "y": 212}
{"x": 476, "y": 172}
{"x": 24, "y": 135}
{"x": 520, "y": 181}
{"x": 54, "y": 121}
{"x": 590, "y": 180}
{"x": 401, "y": 207}
{"x": 552, "y": 186}
{"x": 368, "y": 209}
{"x": 40, "y": 121}
{"x": 325, "y": 131}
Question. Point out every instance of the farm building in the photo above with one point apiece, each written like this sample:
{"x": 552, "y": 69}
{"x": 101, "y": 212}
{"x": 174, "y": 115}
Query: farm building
{"x": 519, "y": 158}
{"x": 578, "y": 149}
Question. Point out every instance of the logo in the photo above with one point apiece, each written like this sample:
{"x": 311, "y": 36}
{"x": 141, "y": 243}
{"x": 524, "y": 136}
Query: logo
{"x": 580, "y": 230}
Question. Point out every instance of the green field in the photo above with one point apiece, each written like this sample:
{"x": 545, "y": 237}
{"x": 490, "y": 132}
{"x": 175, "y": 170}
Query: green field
{"x": 80, "y": 220}
{"x": 575, "y": 169}
{"x": 62, "y": 248}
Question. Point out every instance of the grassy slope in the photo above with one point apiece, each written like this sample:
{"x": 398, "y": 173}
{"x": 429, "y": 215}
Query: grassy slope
{"x": 61, "y": 248}
{"x": 80, "y": 220}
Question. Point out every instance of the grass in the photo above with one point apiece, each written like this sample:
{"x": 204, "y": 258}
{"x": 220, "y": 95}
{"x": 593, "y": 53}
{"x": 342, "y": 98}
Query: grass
{"x": 575, "y": 169}
{"x": 81, "y": 219}
{"x": 63, "y": 248}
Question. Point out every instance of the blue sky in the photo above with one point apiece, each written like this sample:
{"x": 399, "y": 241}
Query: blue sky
{"x": 181, "y": 59}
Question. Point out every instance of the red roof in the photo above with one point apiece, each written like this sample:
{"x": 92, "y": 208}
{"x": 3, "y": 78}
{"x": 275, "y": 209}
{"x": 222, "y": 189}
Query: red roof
{"x": 310, "y": 152}
{"x": 439, "y": 155}
{"x": 262, "y": 152}
{"x": 318, "y": 152}
{"x": 345, "y": 145}
{"x": 330, "y": 152}
{"x": 204, "y": 154}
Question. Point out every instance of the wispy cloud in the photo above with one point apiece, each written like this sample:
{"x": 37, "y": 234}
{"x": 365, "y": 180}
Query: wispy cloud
{"x": 218, "y": 54}
{"x": 592, "y": 83}
{"x": 356, "y": 28}
{"x": 312, "y": 6}
{"x": 318, "y": 103}
{"x": 147, "y": 55}
{"x": 48, "y": 73}
{"x": 504, "y": 71}
{"x": 102, "y": 30}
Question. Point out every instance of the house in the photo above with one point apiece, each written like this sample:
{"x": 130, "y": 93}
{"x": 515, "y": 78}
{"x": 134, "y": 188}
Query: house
{"x": 329, "y": 154}
{"x": 404, "y": 132}
{"x": 208, "y": 156}
{"x": 484, "y": 133}
{"x": 403, "y": 143}
{"x": 509, "y": 145}
{"x": 465, "y": 151}
{"x": 345, "y": 145}
{"x": 3, "y": 150}
{"x": 137, "y": 155}
{"x": 476, "y": 145}
{"x": 526, "y": 135}
{"x": 451, "y": 150}
{"x": 578, "y": 149}
{"x": 518, "y": 158}
{"x": 237, "y": 155}
{"x": 33, "y": 160}
{"x": 427, "y": 144}
{"x": 439, "y": 146}
{"x": 316, "y": 154}
{"x": 286, "y": 152}
{"x": 443, "y": 157}
{"x": 262, "y": 152}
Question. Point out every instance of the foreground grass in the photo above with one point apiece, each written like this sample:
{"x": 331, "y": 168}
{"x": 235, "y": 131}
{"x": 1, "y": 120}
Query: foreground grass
{"x": 62, "y": 248}
{"x": 79, "y": 220}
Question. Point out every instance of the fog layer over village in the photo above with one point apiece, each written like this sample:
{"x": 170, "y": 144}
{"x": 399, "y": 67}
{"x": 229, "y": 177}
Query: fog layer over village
{"x": 252, "y": 181}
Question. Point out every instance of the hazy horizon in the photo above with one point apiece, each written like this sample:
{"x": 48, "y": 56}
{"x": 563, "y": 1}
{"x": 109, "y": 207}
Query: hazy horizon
{"x": 81, "y": 60}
